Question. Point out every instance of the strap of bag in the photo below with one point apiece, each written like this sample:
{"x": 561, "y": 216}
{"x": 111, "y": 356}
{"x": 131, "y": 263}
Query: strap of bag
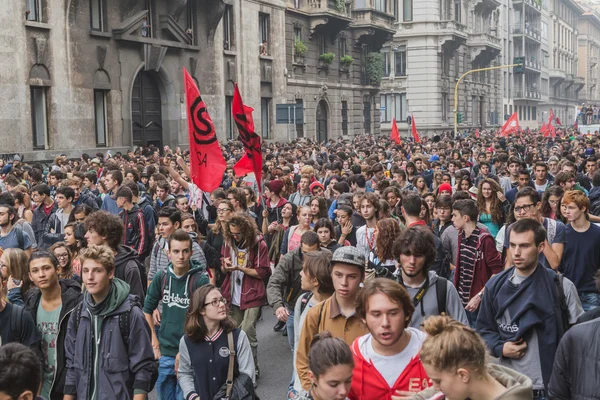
{"x": 231, "y": 365}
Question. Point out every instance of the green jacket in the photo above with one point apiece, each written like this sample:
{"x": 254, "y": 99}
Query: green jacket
{"x": 175, "y": 293}
{"x": 285, "y": 286}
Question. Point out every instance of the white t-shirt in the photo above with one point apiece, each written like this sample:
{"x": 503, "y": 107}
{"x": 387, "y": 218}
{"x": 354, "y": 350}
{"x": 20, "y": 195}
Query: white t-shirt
{"x": 391, "y": 367}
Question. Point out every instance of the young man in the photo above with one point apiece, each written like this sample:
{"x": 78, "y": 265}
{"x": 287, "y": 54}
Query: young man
{"x": 541, "y": 177}
{"x": 378, "y": 176}
{"x": 523, "y": 181}
{"x": 284, "y": 286}
{"x": 365, "y": 235}
{"x": 521, "y": 317}
{"x": 581, "y": 258}
{"x": 386, "y": 359}
{"x": 344, "y": 230}
{"x": 443, "y": 206}
{"x": 528, "y": 205}
{"x": 108, "y": 349}
{"x": 51, "y": 304}
{"x": 164, "y": 198}
{"x": 54, "y": 178}
{"x": 20, "y": 373}
{"x": 79, "y": 197}
{"x": 174, "y": 287}
{"x": 150, "y": 216}
{"x": 302, "y": 196}
{"x": 338, "y": 313}
{"x": 414, "y": 251}
{"x": 90, "y": 181}
{"x": 46, "y": 207}
{"x": 64, "y": 200}
{"x": 11, "y": 235}
{"x": 105, "y": 229}
{"x": 478, "y": 260}
{"x": 136, "y": 233}
{"x": 112, "y": 181}
{"x": 169, "y": 220}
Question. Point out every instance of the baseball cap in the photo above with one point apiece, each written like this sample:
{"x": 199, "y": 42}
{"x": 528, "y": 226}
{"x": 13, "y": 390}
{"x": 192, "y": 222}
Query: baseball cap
{"x": 349, "y": 255}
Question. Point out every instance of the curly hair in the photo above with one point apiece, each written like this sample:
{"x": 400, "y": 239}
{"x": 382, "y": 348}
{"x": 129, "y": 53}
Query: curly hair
{"x": 103, "y": 255}
{"x": 417, "y": 241}
{"x": 496, "y": 209}
{"x": 107, "y": 225}
{"x": 387, "y": 231}
{"x": 248, "y": 229}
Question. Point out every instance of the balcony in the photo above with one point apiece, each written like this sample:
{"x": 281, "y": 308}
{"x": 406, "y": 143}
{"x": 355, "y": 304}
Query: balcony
{"x": 452, "y": 35}
{"x": 528, "y": 94}
{"x": 330, "y": 15}
{"x": 485, "y": 7}
{"x": 532, "y": 63}
{"x": 528, "y": 32}
{"x": 266, "y": 69}
{"x": 579, "y": 82}
{"x": 569, "y": 80}
{"x": 373, "y": 27}
{"x": 533, "y": 4}
{"x": 557, "y": 76}
{"x": 484, "y": 47}
{"x": 593, "y": 61}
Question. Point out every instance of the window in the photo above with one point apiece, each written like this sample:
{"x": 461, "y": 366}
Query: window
{"x": 407, "y": 10}
{"x": 34, "y": 10}
{"x": 400, "y": 61}
{"x": 400, "y": 107}
{"x": 505, "y": 111}
{"x": 380, "y": 5}
{"x": 101, "y": 117}
{"x": 297, "y": 33}
{"x": 264, "y": 21}
{"x": 457, "y": 11}
{"x": 445, "y": 64}
{"x": 228, "y": 31}
{"x": 367, "y": 116}
{"x": 229, "y": 121}
{"x": 534, "y": 112}
{"x": 510, "y": 110}
{"x": 98, "y": 10}
{"x": 444, "y": 106}
{"x": 39, "y": 117}
{"x": 386, "y": 108}
{"x": 321, "y": 43}
{"x": 387, "y": 64}
{"x": 343, "y": 47}
{"x": 300, "y": 125}
{"x": 265, "y": 113}
{"x": 395, "y": 9}
{"x": 344, "y": 118}
{"x": 148, "y": 23}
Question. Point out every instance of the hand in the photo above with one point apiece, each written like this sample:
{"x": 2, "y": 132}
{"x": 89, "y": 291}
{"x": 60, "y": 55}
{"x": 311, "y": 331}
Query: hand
{"x": 501, "y": 196}
{"x": 347, "y": 228}
{"x": 273, "y": 227}
{"x": 176, "y": 364}
{"x": 282, "y": 314}
{"x": 514, "y": 350}
{"x": 403, "y": 395}
{"x": 156, "y": 349}
{"x": 11, "y": 284}
{"x": 156, "y": 317}
{"x": 227, "y": 265}
{"x": 473, "y": 304}
{"x": 265, "y": 213}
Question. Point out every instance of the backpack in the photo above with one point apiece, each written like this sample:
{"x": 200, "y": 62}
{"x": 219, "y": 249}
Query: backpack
{"x": 562, "y": 315}
{"x": 304, "y": 302}
{"x": 120, "y": 274}
{"x": 441, "y": 288}
{"x": 16, "y": 322}
{"x": 124, "y": 328}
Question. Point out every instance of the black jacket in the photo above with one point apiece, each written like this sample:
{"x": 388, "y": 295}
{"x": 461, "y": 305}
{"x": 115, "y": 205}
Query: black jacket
{"x": 71, "y": 296}
{"x": 127, "y": 269}
{"x": 136, "y": 232}
{"x": 41, "y": 222}
{"x": 575, "y": 370}
{"x": 89, "y": 200}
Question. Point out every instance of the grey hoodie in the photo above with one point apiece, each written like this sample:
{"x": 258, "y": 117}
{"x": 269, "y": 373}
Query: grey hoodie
{"x": 518, "y": 386}
{"x": 428, "y": 305}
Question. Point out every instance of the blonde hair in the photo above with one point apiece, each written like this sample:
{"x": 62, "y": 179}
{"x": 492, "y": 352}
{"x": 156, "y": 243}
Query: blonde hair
{"x": 451, "y": 345}
{"x": 17, "y": 266}
{"x": 103, "y": 255}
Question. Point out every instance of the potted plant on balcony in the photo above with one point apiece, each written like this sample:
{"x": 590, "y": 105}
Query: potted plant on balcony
{"x": 299, "y": 51}
{"x": 325, "y": 60}
{"x": 340, "y": 5}
{"x": 345, "y": 63}
{"x": 374, "y": 68}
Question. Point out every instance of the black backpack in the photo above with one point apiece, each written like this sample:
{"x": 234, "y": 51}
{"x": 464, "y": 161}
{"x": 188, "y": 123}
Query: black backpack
{"x": 16, "y": 322}
{"x": 120, "y": 274}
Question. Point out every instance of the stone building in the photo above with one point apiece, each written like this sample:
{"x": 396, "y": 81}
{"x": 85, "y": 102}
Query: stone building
{"x": 331, "y": 56}
{"x": 589, "y": 55}
{"x": 92, "y": 75}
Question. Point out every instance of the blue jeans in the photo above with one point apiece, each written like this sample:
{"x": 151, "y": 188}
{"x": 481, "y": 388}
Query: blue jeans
{"x": 289, "y": 326}
{"x": 589, "y": 300}
{"x": 166, "y": 385}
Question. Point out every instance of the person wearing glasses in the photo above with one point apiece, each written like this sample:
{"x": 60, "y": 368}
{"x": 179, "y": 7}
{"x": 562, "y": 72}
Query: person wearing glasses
{"x": 245, "y": 262}
{"x": 204, "y": 348}
{"x": 174, "y": 286}
{"x": 528, "y": 205}
{"x": 214, "y": 236}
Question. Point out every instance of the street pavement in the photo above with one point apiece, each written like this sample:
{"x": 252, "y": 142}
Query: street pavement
{"x": 274, "y": 357}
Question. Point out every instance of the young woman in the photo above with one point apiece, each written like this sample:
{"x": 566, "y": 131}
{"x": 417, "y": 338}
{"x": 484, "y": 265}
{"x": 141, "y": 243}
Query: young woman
{"x": 316, "y": 281}
{"x": 14, "y": 264}
{"x": 492, "y": 205}
{"x": 324, "y": 229}
{"x": 63, "y": 255}
{"x": 456, "y": 360}
{"x": 214, "y": 236}
{"x": 430, "y": 200}
{"x": 437, "y": 181}
{"x": 213, "y": 262}
{"x": 318, "y": 209}
{"x": 551, "y": 203}
{"x": 288, "y": 218}
{"x": 74, "y": 245}
{"x": 23, "y": 210}
{"x": 420, "y": 185}
{"x": 381, "y": 258}
{"x": 291, "y": 237}
{"x": 204, "y": 348}
{"x": 330, "y": 363}
{"x": 464, "y": 183}
{"x": 251, "y": 200}
{"x": 411, "y": 171}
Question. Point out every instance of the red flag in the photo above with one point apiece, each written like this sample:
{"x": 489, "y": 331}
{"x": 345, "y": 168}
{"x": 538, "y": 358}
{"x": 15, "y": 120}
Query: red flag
{"x": 477, "y": 133}
{"x": 511, "y": 125}
{"x": 576, "y": 125}
{"x": 544, "y": 130}
{"x": 413, "y": 128}
{"x": 558, "y": 121}
{"x": 551, "y": 117}
{"x": 553, "y": 131}
{"x": 251, "y": 161}
{"x": 395, "y": 133}
{"x": 206, "y": 158}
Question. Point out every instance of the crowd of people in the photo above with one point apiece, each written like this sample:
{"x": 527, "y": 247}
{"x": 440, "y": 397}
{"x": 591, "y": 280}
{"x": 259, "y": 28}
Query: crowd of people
{"x": 459, "y": 267}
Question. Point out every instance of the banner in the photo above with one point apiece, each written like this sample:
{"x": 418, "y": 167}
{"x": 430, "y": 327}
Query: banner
{"x": 510, "y": 126}
{"x": 395, "y": 133}
{"x": 207, "y": 164}
{"x": 251, "y": 161}
{"x": 413, "y": 129}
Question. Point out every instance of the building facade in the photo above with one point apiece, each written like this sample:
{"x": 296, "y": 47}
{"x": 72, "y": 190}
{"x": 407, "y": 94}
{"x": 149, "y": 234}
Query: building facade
{"x": 589, "y": 56}
{"x": 107, "y": 74}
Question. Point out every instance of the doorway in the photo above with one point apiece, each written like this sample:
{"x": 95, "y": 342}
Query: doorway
{"x": 146, "y": 113}
{"x": 322, "y": 122}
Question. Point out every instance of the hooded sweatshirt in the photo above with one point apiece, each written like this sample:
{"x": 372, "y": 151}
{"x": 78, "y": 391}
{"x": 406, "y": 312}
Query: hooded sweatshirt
{"x": 127, "y": 269}
{"x": 175, "y": 292}
{"x": 518, "y": 386}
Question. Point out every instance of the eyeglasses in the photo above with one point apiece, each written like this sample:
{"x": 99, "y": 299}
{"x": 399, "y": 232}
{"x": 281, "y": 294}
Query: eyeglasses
{"x": 553, "y": 201}
{"x": 235, "y": 234}
{"x": 216, "y": 302}
{"x": 525, "y": 207}
{"x": 222, "y": 210}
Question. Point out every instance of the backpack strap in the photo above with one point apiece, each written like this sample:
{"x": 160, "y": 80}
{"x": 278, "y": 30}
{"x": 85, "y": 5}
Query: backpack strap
{"x": 77, "y": 314}
{"x": 441, "y": 288}
{"x": 231, "y": 365}
{"x": 563, "y": 315}
{"x": 20, "y": 239}
{"x": 16, "y": 322}
{"x": 304, "y": 302}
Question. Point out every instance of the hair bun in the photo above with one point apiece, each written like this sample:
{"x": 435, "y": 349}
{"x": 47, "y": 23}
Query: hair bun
{"x": 435, "y": 325}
